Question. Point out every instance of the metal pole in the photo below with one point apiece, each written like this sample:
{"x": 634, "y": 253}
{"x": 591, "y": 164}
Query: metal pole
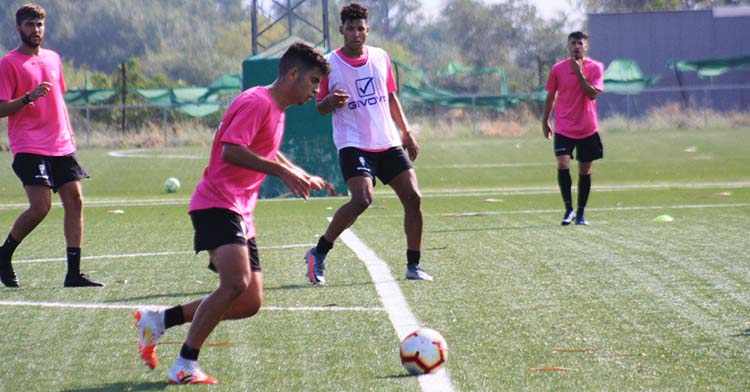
{"x": 164, "y": 118}
{"x": 289, "y": 17}
{"x": 326, "y": 32}
{"x": 124, "y": 87}
{"x": 88, "y": 127}
{"x": 254, "y": 26}
{"x": 474, "y": 115}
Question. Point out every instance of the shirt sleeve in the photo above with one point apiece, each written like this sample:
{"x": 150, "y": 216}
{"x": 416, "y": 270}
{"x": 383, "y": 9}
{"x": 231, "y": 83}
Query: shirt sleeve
{"x": 63, "y": 87}
{"x": 597, "y": 76}
{"x": 390, "y": 80}
{"x": 242, "y": 127}
{"x": 323, "y": 90}
{"x": 7, "y": 83}
{"x": 551, "y": 86}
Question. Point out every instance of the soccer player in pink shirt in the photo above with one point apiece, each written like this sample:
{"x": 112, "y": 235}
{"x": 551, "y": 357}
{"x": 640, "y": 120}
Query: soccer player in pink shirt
{"x": 372, "y": 137}
{"x": 244, "y": 151}
{"x": 572, "y": 87}
{"x": 41, "y": 140}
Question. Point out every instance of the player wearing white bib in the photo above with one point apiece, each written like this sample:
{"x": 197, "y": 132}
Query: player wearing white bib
{"x": 372, "y": 137}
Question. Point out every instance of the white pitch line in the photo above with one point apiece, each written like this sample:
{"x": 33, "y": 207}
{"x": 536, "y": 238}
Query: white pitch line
{"x": 148, "y": 254}
{"x": 45, "y": 304}
{"x": 142, "y": 154}
{"x": 628, "y": 208}
{"x": 401, "y": 317}
{"x": 445, "y": 192}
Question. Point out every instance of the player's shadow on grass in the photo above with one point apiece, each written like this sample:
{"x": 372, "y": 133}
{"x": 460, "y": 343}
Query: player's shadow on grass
{"x": 743, "y": 334}
{"x": 165, "y": 295}
{"x": 489, "y": 229}
{"x": 310, "y": 286}
{"x": 400, "y": 375}
{"x": 123, "y": 386}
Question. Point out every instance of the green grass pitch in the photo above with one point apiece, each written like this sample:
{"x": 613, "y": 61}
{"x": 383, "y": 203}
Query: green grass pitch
{"x": 627, "y": 303}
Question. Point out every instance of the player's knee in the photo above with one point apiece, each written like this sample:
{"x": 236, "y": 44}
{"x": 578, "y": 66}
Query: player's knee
{"x": 74, "y": 203}
{"x": 236, "y": 285}
{"x": 252, "y": 309}
{"x": 412, "y": 201}
{"x": 362, "y": 203}
{"x": 38, "y": 211}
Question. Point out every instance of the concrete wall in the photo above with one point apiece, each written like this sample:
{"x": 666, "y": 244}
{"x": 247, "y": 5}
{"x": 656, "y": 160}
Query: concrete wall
{"x": 653, "y": 39}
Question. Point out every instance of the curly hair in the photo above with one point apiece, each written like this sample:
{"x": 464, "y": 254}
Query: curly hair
{"x": 353, "y": 11}
{"x": 29, "y": 11}
{"x": 304, "y": 56}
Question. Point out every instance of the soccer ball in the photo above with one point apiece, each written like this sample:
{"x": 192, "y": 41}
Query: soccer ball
{"x": 172, "y": 185}
{"x": 423, "y": 351}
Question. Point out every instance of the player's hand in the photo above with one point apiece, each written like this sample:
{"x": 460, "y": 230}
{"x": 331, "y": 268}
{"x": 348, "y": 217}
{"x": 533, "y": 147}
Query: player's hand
{"x": 41, "y": 90}
{"x": 316, "y": 183}
{"x": 576, "y": 64}
{"x": 338, "y": 98}
{"x": 546, "y": 130}
{"x": 297, "y": 182}
{"x": 410, "y": 145}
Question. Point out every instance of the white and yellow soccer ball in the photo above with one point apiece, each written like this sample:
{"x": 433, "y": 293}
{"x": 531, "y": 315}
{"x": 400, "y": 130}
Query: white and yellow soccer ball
{"x": 423, "y": 351}
{"x": 172, "y": 185}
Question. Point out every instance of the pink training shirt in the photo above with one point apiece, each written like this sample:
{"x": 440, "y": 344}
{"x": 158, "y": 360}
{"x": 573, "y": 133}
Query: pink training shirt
{"x": 575, "y": 113}
{"x": 365, "y": 121}
{"x": 255, "y": 121}
{"x": 41, "y": 127}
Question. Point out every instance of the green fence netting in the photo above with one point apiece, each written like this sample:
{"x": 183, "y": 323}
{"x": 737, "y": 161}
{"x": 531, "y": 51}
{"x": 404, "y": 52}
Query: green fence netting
{"x": 624, "y": 76}
{"x": 193, "y": 101}
{"x": 708, "y": 68}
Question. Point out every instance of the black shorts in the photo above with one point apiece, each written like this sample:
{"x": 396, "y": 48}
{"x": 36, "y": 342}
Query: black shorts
{"x": 215, "y": 227}
{"x": 385, "y": 165}
{"x": 49, "y": 171}
{"x": 589, "y": 148}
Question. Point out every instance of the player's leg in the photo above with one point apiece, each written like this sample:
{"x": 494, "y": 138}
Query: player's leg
{"x": 231, "y": 262}
{"x": 358, "y": 171}
{"x": 360, "y": 190}
{"x": 396, "y": 169}
{"x": 589, "y": 150}
{"x": 71, "y": 196}
{"x": 563, "y": 152}
{"x": 407, "y": 189}
{"x": 247, "y": 305}
{"x": 40, "y": 202}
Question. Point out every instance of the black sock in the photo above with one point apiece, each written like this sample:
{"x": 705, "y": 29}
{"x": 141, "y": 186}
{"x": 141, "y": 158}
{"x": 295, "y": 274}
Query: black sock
{"x": 189, "y": 353}
{"x": 74, "y": 261}
{"x": 565, "y": 182}
{"x": 584, "y": 187}
{"x": 412, "y": 258}
{"x": 174, "y": 316}
{"x": 323, "y": 246}
{"x": 9, "y": 246}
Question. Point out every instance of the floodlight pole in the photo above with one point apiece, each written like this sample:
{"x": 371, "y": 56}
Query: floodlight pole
{"x": 288, "y": 15}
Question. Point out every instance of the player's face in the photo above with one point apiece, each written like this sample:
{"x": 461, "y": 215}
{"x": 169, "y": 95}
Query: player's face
{"x": 355, "y": 34}
{"x": 31, "y": 32}
{"x": 306, "y": 85}
{"x": 578, "y": 48}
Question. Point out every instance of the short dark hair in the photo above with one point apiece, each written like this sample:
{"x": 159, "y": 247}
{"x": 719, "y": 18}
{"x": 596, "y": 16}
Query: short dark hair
{"x": 29, "y": 11}
{"x": 304, "y": 56}
{"x": 353, "y": 11}
{"x": 578, "y": 35}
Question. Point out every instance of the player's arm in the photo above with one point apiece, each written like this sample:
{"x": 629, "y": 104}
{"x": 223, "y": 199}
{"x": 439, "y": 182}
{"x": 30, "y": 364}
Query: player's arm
{"x": 549, "y": 103}
{"x": 245, "y": 158}
{"x": 397, "y": 114}
{"x": 332, "y": 101}
{"x": 588, "y": 88}
{"x": 10, "y": 107}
